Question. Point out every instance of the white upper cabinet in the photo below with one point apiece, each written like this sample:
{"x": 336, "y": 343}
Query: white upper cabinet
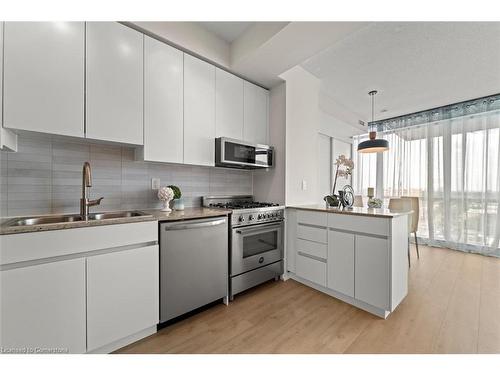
{"x": 8, "y": 140}
{"x": 199, "y": 112}
{"x": 114, "y": 73}
{"x": 163, "y": 102}
{"x": 44, "y": 77}
{"x": 228, "y": 105}
{"x": 256, "y": 118}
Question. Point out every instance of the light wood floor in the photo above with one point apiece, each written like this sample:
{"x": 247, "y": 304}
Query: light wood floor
{"x": 453, "y": 306}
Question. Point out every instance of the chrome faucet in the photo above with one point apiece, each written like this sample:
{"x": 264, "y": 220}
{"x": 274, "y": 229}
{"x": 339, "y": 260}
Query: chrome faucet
{"x": 85, "y": 203}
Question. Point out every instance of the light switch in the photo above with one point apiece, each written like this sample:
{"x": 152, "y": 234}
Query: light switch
{"x": 155, "y": 183}
{"x": 304, "y": 185}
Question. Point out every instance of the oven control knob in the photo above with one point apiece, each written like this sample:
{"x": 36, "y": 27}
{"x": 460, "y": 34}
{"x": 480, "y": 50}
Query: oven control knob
{"x": 251, "y": 218}
{"x": 259, "y": 217}
{"x": 241, "y": 219}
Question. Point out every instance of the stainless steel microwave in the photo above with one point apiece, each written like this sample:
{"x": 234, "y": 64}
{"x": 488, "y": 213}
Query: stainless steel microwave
{"x": 232, "y": 153}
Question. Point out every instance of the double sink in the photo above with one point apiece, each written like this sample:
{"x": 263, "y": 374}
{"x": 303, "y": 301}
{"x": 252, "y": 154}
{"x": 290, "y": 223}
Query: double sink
{"x": 84, "y": 215}
{"x": 60, "y": 219}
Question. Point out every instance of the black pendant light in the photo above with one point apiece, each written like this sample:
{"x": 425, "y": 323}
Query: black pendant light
{"x": 373, "y": 144}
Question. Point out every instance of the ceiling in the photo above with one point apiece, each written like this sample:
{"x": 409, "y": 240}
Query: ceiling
{"x": 228, "y": 31}
{"x": 413, "y": 65}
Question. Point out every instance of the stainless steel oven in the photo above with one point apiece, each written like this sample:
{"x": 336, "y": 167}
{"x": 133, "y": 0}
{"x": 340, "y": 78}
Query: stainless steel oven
{"x": 256, "y": 240}
{"x": 256, "y": 246}
{"x": 233, "y": 153}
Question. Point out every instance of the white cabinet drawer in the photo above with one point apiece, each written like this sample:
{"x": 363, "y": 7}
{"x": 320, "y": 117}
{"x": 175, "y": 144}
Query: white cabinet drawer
{"x": 315, "y": 249}
{"x": 311, "y": 269}
{"x": 21, "y": 247}
{"x": 355, "y": 223}
{"x": 312, "y": 218}
{"x": 307, "y": 232}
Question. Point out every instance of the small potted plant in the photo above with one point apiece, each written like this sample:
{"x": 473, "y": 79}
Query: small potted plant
{"x": 178, "y": 201}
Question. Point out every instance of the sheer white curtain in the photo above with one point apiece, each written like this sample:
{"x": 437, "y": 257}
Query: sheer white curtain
{"x": 454, "y": 167}
{"x": 365, "y": 168}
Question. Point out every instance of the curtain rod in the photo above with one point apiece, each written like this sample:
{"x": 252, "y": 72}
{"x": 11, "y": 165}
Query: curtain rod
{"x": 464, "y": 108}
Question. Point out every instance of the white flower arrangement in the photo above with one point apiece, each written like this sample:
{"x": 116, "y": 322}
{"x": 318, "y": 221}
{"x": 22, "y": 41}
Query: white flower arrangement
{"x": 165, "y": 194}
{"x": 344, "y": 169}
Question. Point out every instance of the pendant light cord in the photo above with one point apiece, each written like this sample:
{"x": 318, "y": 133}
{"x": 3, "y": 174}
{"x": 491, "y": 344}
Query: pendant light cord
{"x": 372, "y": 94}
{"x": 373, "y": 106}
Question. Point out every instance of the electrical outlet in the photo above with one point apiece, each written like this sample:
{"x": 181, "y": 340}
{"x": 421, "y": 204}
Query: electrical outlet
{"x": 304, "y": 185}
{"x": 155, "y": 183}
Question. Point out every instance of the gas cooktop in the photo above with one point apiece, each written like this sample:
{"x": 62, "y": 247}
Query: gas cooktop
{"x": 242, "y": 206}
{"x": 245, "y": 210}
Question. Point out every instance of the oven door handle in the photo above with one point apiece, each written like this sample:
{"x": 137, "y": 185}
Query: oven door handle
{"x": 259, "y": 228}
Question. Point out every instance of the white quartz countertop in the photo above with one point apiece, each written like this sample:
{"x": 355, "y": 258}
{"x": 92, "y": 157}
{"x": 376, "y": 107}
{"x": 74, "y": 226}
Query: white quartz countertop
{"x": 150, "y": 215}
{"x": 360, "y": 211}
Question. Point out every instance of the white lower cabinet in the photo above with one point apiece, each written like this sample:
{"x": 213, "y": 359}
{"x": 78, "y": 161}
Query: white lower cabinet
{"x": 341, "y": 262}
{"x": 372, "y": 284}
{"x": 43, "y": 307}
{"x": 102, "y": 296}
{"x": 357, "y": 258}
{"x": 122, "y": 294}
{"x": 311, "y": 269}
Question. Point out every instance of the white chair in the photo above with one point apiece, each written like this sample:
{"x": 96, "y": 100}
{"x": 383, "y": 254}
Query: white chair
{"x": 414, "y": 215}
{"x": 402, "y": 205}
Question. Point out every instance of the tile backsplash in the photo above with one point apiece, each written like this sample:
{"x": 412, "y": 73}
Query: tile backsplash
{"x": 45, "y": 177}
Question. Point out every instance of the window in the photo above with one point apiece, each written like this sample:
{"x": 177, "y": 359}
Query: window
{"x": 453, "y": 166}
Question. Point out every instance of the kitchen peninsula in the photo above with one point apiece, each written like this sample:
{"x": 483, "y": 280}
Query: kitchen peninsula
{"x": 358, "y": 255}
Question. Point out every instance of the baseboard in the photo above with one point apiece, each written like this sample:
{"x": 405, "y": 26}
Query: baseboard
{"x": 124, "y": 341}
{"x": 381, "y": 313}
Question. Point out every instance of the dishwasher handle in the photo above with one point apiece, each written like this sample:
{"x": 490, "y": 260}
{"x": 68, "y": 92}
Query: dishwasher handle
{"x": 202, "y": 224}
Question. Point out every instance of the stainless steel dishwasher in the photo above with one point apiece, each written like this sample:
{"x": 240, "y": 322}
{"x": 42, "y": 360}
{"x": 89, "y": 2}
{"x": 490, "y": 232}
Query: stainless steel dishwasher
{"x": 193, "y": 265}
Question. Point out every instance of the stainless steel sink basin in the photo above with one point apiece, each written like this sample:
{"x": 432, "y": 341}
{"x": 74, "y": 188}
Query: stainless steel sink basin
{"x": 60, "y": 219}
{"x": 43, "y": 220}
{"x": 115, "y": 215}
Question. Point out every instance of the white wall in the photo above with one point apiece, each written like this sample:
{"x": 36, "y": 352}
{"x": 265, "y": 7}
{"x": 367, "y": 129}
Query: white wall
{"x": 324, "y": 165}
{"x": 269, "y": 185}
{"x": 305, "y": 119}
{"x": 302, "y": 124}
